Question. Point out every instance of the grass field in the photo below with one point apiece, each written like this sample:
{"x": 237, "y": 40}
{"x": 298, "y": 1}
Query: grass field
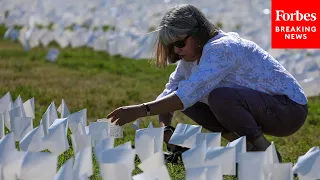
{"x": 101, "y": 83}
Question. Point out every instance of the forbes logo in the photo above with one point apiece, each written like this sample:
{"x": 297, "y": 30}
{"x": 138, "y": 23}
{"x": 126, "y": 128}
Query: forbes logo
{"x": 296, "y": 16}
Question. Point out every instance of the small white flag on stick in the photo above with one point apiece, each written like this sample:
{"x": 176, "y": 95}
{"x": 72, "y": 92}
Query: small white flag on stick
{"x": 83, "y": 163}
{"x": 185, "y": 135}
{"x": 33, "y": 140}
{"x": 66, "y": 171}
{"x": 39, "y": 166}
{"x": 63, "y": 109}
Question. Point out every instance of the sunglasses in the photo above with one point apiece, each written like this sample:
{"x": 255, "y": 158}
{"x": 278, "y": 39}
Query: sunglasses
{"x": 180, "y": 43}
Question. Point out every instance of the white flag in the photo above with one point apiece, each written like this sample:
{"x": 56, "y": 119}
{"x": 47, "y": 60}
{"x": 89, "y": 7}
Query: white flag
{"x": 65, "y": 172}
{"x": 56, "y": 140}
{"x": 185, "y": 135}
{"x": 63, "y": 109}
{"x": 83, "y": 163}
{"x": 32, "y": 141}
{"x": 39, "y": 166}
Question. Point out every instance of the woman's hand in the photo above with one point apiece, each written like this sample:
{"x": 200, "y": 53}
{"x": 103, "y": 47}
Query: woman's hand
{"x": 126, "y": 114}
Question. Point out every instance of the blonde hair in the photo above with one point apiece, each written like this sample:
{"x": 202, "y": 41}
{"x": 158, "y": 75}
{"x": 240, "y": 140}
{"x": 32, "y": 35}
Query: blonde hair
{"x": 179, "y": 20}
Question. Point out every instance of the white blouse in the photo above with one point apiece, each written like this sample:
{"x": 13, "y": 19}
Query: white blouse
{"x": 230, "y": 61}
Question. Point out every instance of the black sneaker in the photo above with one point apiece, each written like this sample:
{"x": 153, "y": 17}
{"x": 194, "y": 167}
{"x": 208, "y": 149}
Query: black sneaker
{"x": 175, "y": 155}
{"x": 174, "y": 158}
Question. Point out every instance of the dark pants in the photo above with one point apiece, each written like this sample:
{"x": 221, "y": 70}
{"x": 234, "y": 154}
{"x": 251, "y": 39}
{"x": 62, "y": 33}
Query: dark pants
{"x": 248, "y": 113}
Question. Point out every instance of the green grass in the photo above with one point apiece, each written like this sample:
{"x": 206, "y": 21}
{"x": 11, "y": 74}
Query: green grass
{"x": 101, "y": 83}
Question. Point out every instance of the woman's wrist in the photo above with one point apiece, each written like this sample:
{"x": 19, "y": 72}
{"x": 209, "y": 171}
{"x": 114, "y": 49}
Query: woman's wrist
{"x": 143, "y": 110}
{"x": 140, "y": 110}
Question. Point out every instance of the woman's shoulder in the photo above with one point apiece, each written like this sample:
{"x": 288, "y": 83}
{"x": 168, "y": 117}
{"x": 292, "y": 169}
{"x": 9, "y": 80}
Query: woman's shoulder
{"x": 225, "y": 40}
